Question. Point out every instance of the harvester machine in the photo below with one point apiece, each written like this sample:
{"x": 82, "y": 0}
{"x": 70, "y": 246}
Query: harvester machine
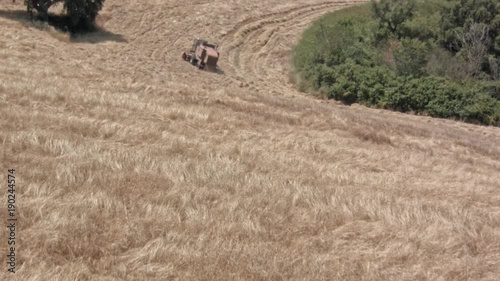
{"x": 202, "y": 54}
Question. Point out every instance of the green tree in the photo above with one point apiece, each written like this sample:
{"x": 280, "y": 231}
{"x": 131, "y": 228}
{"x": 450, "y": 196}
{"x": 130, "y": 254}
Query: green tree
{"x": 81, "y": 12}
{"x": 391, "y": 14}
{"x": 459, "y": 17}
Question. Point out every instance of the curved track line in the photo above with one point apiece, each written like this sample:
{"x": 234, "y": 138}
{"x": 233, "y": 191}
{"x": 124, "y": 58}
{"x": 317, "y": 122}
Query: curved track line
{"x": 253, "y": 44}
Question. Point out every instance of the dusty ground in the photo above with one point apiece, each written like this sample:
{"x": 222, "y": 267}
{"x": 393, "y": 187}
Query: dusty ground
{"x": 134, "y": 165}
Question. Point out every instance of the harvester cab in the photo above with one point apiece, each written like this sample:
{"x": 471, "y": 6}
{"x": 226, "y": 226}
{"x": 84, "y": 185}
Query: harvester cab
{"x": 202, "y": 54}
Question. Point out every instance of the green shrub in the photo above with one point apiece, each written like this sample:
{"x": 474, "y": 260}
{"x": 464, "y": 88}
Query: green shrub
{"x": 410, "y": 94}
{"x": 491, "y": 88}
{"x": 346, "y": 56}
{"x": 425, "y": 24}
{"x": 411, "y": 57}
{"x": 440, "y": 63}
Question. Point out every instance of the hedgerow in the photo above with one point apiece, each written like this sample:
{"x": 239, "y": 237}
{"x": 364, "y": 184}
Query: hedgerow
{"x": 356, "y": 56}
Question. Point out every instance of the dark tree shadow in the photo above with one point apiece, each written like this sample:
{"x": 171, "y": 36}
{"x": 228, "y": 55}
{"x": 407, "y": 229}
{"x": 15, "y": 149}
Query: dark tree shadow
{"x": 82, "y": 33}
{"x": 219, "y": 71}
{"x": 215, "y": 70}
{"x": 21, "y": 16}
{"x": 97, "y": 35}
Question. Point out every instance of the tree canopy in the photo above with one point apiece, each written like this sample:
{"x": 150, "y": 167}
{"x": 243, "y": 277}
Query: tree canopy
{"x": 431, "y": 57}
{"x": 393, "y": 13}
{"x": 81, "y": 12}
{"x": 460, "y": 15}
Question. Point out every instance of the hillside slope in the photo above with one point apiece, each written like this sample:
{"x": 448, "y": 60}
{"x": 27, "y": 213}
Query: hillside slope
{"x": 134, "y": 165}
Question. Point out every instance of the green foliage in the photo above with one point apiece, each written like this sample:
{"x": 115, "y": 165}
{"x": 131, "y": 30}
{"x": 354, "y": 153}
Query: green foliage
{"x": 345, "y": 41}
{"x": 425, "y": 24}
{"x": 348, "y": 56}
{"x": 461, "y": 14}
{"x": 82, "y": 13}
{"x": 318, "y": 42}
{"x": 411, "y": 57}
{"x": 391, "y": 14}
{"x": 441, "y": 63}
{"x": 492, "y": 88}
{"x": 354, "y": 83}
{"x": 465, "y": 104}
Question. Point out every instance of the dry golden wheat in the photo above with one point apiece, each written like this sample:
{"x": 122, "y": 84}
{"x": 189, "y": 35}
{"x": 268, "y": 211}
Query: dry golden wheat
{"x": 133, "y": 165}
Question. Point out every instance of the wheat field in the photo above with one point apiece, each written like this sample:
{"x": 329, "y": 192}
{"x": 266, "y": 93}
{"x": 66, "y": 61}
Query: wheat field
{"x": 131, "y": 164}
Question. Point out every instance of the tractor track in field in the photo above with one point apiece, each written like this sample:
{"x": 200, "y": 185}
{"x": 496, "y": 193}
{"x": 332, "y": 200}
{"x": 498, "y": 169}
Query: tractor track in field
{"x": 258, "y": 48}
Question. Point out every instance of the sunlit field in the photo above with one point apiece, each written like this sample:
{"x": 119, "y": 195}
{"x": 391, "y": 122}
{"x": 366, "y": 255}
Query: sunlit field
{"x": 132, "y": 164}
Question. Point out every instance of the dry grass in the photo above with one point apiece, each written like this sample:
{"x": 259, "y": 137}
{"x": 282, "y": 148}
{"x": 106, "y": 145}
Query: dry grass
{"x": 133, "y": 165}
